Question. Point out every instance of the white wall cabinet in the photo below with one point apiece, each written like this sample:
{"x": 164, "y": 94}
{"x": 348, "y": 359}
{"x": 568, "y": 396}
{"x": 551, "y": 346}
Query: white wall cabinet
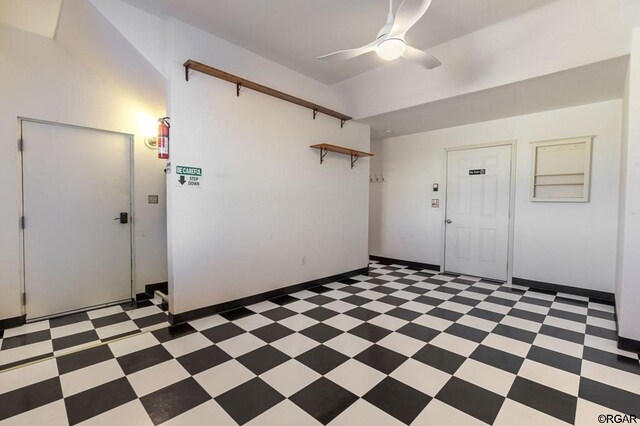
{"x": 561, "y": 170}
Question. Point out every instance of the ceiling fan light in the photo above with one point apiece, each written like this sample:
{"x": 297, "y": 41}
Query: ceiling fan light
{"x": 391, "y": 48}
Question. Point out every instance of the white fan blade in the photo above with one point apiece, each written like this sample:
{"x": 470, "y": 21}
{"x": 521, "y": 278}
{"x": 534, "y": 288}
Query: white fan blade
{"x": 350, "y": 53}
{"x": 409, "y": 12}
{"x": 421, "y": 58}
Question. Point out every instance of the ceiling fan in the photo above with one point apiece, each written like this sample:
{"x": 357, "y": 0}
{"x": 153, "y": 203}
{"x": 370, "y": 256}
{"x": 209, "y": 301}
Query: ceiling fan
{"x": 390, "y": 43}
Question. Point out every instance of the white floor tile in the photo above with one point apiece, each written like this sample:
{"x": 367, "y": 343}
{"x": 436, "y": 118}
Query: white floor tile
{"x": 67, "y": 330}
{"x": 611, "y": 376}
{"x": 348, "y": 344}
{"x": 223, "y": 377}
{"x": 422, "y": 377}
{"x": 210, "y": 411}
{"x": 551, "y": 377}
{"x": 89, "y": 377}
{"x": 439, "y": 413}
{"x": 21, "y": 377}
{"x": 294, "y": 344}
{"x": 401, "y": 343}
{"x": 53, "y": 414}
{"x": 514, "y": 413}
{"x": 355, "y": 377}
{"x": 207, "y": 322}
{"x": 187, "y": 344}
{"x": 240, "y": 345}
{"x": 157, "y": 377}
{"x": 487, "y": 377}
{"x": 26, "y": 329}
{"x": 285, "y": 413}
{"x": 454, "y": 344}
{"x": 131, "y": 413}
{"x": 133, "y": 344}
{"x": 559, "y": 345}
{"x": 290, "y": 377}
{"x": 363, "y": 413}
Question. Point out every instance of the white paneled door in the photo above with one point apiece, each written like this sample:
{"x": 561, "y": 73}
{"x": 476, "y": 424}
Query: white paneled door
{"x": 77, "y": 245}
{"x": 477, "y": 211}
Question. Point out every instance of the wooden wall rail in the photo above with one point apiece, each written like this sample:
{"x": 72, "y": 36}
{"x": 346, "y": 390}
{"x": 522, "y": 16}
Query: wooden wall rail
{"x": 241, "y": 82}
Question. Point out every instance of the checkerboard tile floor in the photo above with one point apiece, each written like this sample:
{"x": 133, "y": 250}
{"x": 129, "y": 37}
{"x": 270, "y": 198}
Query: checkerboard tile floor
{"x": 44, "y": 339}
{"x": 397, "y": 346}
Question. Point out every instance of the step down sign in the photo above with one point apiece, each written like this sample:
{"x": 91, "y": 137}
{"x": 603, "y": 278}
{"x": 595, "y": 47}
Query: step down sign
{"x": 189, "y": 176}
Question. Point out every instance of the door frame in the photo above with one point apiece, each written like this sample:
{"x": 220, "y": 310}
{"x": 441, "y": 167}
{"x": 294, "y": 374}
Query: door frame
{"x": 512, "y": 200}
{"x": 130, "y": 138}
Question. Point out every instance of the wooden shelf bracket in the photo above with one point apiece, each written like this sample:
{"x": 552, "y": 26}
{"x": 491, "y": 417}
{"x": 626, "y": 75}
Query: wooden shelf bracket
{"x": 353, "y": 153}
{"x": 242, "y": 82}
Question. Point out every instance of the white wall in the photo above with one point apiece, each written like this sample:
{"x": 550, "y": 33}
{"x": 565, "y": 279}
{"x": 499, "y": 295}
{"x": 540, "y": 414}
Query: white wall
{"x": 266, "y": 201}
{"x": 559, "y": 36}
{"x": 570, "y": 244}
{"x": 39, "y": 79}
{"x": 628, "y": 271}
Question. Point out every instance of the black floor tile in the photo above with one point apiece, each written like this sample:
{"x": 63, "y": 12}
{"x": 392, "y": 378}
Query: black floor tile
{"x": 222, "y": 332}
{"x": 446, "y": 289}
{"x": 542, "y": 398}
{"x": 620, "y": 362}
{"x": 173, "y": 332}
{"x": 555, "y": 359}
{"x": 397, "y": 399}
{"x": 249, "y": 400}
{"x": 515, "y": 333}
{"x": 604, "y": 333}
{"x": 356, "y": 300}
{"x": 466, "y": 332}
{"x": 324, "y": 400}
{"x": 150, "y": 320}
{"x": 404, "y": 314}
{"x": 272, "y": 332}
{"x": 285, "y": 300}
{"x": 487, "y": 315}
{"x": 321, "y": 332}
{"x": 29, "y": 397}
{"x": 145, "y": 358}
{"x": 471, "y": 399}
{"x": 370, "y": 332}
{"x": 571, "y": 316}
{"x": 500, "y": 301}
{"x": 531, "y": 316}
{"x": 110, "y": 320}
{"x": 497, "y": 358}
{"x": 441, "y": 359}
{"x": 173, "y": 400}
{"x": 82, "y": 359}
{"x": 392, "y": 300}
{"x": 25, "y": 339}
{"x": 376, "y": 281}
{"x": 85, "y": 405}
{"x": 320, "y": 313}
{"x": 419, "y": 332}
{"x": 203, "y": 359}
{"x": 323, "y": 289}
{"x": 602, "y": 314}
{"x": 119, "y": 336}
{"x": 137, "y": 304}
{"x": 384, "y": 289}
{"x": 561, "y": 333}
{"x": 320, "y": 300}
{"x": 463, "y": 281}
{"x": 362, "y": 313}
{"x": 322, "y": 359}
{"x": 380, "y": 358}
{"x": 572, "y": 302}
{"x": 263, "y": 359}
{"x": 277, "y": 314}
{"x": 406, "y": 281}
{"x": 68, "y": 320}
{"x": 445, "y": 314}
{"x": 236, "y": 314}
{"x": 348, "y": 281}
{"x": 536, "y": 301}
{"x": 75, "y": 340}
{"x": 25, "y": 361}
{"x": 464, "y": 300}
{"x": 610, "y": 397}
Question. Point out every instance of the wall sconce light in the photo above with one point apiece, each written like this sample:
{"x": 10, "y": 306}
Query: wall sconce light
{"x": 151, "y": 142}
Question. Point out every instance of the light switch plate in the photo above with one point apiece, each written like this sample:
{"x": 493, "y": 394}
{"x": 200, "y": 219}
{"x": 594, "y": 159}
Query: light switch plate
{"x": 153, "y": 199}
{"x": 435, "y": 203}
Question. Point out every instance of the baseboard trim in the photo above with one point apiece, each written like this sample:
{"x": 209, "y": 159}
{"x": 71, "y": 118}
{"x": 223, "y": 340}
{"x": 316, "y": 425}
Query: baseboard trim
{"x": 420, "y": 265}
{"x": 13, "y": 322}
{"x": 257, "y": 298}
{"x": 628, "y": 345}
{"x": 595, "y": 294}
{"x": 149, "y": 289}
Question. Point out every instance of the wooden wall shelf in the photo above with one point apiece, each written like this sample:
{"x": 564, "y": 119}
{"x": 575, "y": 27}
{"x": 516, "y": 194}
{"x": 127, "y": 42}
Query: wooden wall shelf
{"x": 242, "y": 82}
{"x": 354, "y": 153}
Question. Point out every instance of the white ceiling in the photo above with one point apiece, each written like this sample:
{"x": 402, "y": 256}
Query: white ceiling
{"x": 36, "y": 16}
{"x": 294, "y": 32}
{"x": 591, "y": 83}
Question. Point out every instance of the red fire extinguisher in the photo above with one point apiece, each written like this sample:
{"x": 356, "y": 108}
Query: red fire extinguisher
{"x": 163, "y": 138}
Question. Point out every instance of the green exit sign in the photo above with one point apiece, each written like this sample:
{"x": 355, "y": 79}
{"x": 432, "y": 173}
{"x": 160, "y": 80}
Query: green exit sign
{"x": 188, "y": 171}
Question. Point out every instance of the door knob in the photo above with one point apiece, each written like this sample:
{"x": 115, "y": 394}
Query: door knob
{"x": 448, "y": 220}
{"x": 123, "y": 218}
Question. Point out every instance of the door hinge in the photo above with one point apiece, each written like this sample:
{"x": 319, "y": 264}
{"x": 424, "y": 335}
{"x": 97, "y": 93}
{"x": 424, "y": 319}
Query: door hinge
{"x": 21, "y": 222}
{"x": 20, "y": 144}
{"x": 24, "y": 298}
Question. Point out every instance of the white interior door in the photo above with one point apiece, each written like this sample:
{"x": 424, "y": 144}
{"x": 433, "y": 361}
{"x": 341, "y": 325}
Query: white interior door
{"x": 75, "y": 183}
{"x": 477, "y": 211}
